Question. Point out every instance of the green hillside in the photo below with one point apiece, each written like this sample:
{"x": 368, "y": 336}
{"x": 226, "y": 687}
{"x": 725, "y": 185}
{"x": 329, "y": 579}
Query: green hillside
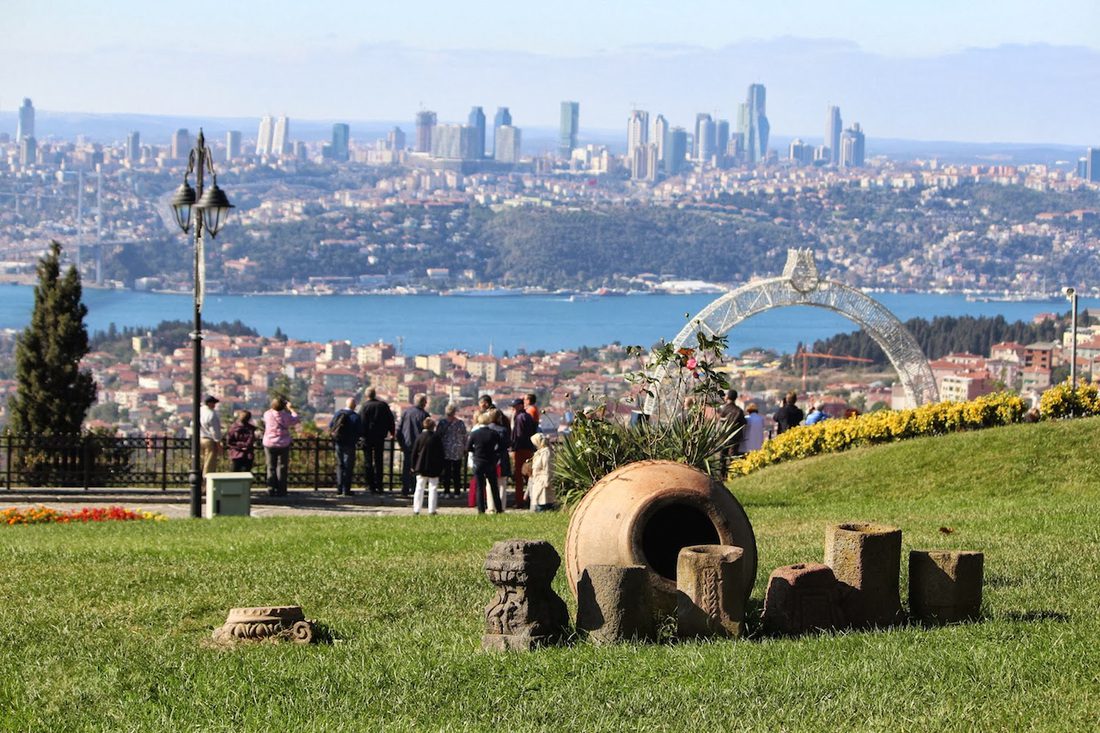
{"x": 104, "y": 626}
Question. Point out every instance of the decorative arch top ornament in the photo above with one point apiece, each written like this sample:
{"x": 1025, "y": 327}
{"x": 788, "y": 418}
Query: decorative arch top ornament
{"x": 800, "y": 284}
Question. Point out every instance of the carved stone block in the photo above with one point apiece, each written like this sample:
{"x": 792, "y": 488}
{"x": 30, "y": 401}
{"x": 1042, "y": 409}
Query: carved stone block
{"x": 277, "y": 623}
{"x": 945, "y": 587}
{"x": 710, "y": 597}
{"x": 866, "y": 558}
{"x": 526, "y": 612}
{"x": 803, "y": 598}
{"x": 615, "y": 603}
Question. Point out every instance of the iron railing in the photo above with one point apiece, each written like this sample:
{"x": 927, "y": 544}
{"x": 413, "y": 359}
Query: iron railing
{"x": 89, "y": 461}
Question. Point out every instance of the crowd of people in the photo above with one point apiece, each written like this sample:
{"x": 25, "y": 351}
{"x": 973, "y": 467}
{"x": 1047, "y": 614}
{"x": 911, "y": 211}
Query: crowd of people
{"x": 500, "y": 447}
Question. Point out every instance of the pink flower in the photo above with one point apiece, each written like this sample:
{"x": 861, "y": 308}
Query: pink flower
{"x": 691, "y": 363}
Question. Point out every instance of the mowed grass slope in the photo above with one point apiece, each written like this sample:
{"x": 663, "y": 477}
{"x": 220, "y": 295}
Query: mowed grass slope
{"x": 104, "y": 627}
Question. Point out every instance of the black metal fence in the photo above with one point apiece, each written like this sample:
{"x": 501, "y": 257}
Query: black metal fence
{"x": 90, "y": 461}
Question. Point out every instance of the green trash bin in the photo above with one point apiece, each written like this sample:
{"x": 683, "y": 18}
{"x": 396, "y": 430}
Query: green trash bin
{"x": 228, "y": 494}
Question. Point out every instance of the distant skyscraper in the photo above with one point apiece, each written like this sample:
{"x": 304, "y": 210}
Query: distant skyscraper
{"x": 1092, "y": 165}
{"x": 704, "y": 137}
{"x": 833, "y": 128}
{"x": 133, "y": 147}
{"x": 280, "y": 138}
{"x": 851, "y": 147}
{"x": 425, "y": 123}
{"x": 341, "y": 137}
{"x": 721, "y": 139}
{"x": 232, "y": 144}
{"x": 637, "y": 130}
{"x": 477, "y": 121}
{"x": 508, "y": 142}
{"x": 502, "y": 117}
{"x": 25, "y": 126}
{"x": 752, "y": 124}
{"x": 395, "y": 140}
{"x": 801, "y": 153}
{"x": 675, "y": 150}
{"x": 264, "y": 135}
{"x": 181, "y": 144}
{"x": 570, "y": 126}
{"x": 28, "y": 152}
{"x": 660, "y": 136}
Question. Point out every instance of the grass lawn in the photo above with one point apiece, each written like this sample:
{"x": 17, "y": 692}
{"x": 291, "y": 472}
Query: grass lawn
{"x": 102, "y": 627}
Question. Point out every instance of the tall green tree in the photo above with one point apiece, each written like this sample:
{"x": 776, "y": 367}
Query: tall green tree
{"x": 53, "y": 393}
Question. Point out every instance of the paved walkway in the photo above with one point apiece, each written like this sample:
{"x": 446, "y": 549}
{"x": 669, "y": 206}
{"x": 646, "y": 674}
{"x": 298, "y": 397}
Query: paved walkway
{"x": 176, "y": 504}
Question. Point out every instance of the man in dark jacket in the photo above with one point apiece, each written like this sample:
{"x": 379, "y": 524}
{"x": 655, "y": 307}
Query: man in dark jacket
{"x": 732, "y": 413}
{"x": 377, "y": 424}
{"x": 412, "y": 422}
{"x": 789, "y": 415}
{"x": 523, "y": 427}
{"x": 345, "y": 427}
{"x": 485, "y": 444}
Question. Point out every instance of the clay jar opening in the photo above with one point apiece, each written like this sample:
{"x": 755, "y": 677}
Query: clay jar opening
{"x": 669, "y": 527}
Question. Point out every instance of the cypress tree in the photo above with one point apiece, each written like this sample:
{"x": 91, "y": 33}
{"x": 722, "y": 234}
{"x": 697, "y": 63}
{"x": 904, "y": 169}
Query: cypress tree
{"x": 53, "y": 393}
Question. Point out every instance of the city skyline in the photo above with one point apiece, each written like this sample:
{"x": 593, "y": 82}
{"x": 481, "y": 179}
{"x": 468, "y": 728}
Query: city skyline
{"x": 985, "y": 73}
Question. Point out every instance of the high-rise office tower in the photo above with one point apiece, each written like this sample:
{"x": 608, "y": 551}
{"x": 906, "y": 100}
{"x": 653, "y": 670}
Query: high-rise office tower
{"x": 660, "y": 135}
{"x": 508, "y": 141}
{"x": 637, "y": 130}
{"x": 425, "y": 123}
{"x": 833, "y": 128}
{"x": 341, "y": 137}
{"x": 570, "y": 125}
{"x": 181, "y": 144}
{"x": 280, "y": 138}
{"x": 1092, "y": 165}
{"x": 477, "y": 121}
{"x": 133, "y": 147}
{"x": 675, "y": 150}
{"x": 704, "y": 137}
{"x": 752, "y": 124}
{"x": 28, "y": 152}
{"x": 25, "y": 126}
{"x": 395, "y": 140}
{"x": 232, "y": 144}
{"x": 721, "y": 139}
{"x": 501, "y": 118}
{"x": 851, "y": 147}
{"x": 264, "y": 135}
{"x": 652, "y": 164}
{"x": 800, "y": 153}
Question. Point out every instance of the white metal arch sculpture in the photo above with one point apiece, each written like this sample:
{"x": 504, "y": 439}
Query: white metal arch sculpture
{"x": 800, "y": 284}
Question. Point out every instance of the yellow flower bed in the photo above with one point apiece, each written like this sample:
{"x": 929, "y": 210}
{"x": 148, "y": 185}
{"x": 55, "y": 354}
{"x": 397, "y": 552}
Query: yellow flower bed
{"x": 1063, "y": 401}
{"x": 886, "y": 426}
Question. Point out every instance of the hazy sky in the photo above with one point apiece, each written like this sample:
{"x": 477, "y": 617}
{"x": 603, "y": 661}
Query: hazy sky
{"x": 382, "y": 60}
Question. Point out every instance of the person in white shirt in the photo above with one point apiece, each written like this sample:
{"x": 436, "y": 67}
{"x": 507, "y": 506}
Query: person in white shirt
{"x": 210, "y": 434}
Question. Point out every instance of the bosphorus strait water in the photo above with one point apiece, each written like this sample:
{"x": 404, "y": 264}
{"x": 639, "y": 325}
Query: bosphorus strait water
{"x": 434, "y": 323}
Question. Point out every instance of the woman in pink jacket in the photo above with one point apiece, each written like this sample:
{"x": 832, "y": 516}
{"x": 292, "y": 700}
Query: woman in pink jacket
{"x": 277, "y": 424}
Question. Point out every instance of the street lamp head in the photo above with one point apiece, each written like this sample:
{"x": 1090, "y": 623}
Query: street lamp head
{"x": 182, "y": 202}
{"x": 215, "y": 207}
{"x": 1070, "y": 292}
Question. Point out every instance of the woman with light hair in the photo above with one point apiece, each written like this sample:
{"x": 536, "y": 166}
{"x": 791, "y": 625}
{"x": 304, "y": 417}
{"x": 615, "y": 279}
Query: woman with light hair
{"x": 540, "y": 489}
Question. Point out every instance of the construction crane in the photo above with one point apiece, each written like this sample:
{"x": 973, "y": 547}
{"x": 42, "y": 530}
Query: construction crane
{"x": 807, "y": 355}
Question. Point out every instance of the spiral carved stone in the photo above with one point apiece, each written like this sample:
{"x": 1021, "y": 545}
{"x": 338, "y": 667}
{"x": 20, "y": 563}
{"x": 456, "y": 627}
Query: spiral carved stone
{"x": 277, "y": 623}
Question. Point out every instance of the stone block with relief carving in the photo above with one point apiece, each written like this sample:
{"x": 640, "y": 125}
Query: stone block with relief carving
{"x": 525, "y": 613}
{"x": 710, "y": 592}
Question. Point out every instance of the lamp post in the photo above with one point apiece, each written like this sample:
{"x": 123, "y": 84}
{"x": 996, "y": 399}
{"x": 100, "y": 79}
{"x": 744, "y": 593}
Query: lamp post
{"x": 211, "y": 208}
{"x": 1071, "y": 293}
